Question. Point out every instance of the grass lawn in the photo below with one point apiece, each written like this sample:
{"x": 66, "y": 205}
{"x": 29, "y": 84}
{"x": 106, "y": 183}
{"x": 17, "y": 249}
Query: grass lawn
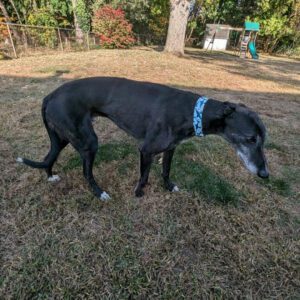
{"x": 226, "y": 234}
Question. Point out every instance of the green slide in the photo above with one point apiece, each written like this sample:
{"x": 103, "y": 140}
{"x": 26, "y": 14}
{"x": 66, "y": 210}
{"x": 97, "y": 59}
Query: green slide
{"x": 252, "y": 50}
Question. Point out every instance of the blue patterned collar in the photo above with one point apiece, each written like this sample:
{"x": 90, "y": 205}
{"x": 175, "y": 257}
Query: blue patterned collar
{"x": 198, "y": 111}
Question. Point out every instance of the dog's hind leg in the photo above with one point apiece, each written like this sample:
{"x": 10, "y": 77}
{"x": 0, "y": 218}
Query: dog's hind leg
{"x": 57, "y": 144}
{"x": 87, "y": 146}
{"x": 166, "y": 166}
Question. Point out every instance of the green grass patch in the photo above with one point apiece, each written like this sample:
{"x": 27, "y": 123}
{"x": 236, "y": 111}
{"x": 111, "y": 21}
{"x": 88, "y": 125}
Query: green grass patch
{"x": 197, "y": 177}
{"x": 273, "y": 146}
{"x": 278, "y": 185}
{"x": 125, "y": 166}
{"x": 201, "y": 179}
{"x": 32, "y": 279}
{"x": 285, "y": 185}
{"x": 291, "y": 173}
{"x": 128, "y": 278}
{"x": 106, "y": 153}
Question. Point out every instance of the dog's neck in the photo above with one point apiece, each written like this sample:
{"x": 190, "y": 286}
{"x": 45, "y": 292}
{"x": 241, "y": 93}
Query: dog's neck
{"x": 198, "y": 115}
{"x": 211, "y": 120}
{"x": 212, "y": 117}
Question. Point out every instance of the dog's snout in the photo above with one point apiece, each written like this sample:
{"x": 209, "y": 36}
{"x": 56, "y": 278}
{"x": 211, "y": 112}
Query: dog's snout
{"x": 263, "y": 173}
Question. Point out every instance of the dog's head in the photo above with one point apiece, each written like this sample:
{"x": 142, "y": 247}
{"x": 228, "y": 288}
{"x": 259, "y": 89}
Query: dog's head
{"x": 245, "y": 131}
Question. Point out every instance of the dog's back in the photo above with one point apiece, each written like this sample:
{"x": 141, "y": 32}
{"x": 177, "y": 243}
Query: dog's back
{"x": 132, "y": 105}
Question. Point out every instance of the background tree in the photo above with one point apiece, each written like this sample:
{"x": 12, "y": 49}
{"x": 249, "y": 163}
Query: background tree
{"x": 195, "y": 11}
{"x": 159, "y": 19}
{"x": 78, "y": 30}
{"x": 179, "y": 13}
{"x": 15, "y": 10}
{"x": 279, "y": 19}
{"x": 4, "y": 11}
{"x": 9, "y": 19}
{"x": 83, "y": 15}
{"x": 277, "y": 22}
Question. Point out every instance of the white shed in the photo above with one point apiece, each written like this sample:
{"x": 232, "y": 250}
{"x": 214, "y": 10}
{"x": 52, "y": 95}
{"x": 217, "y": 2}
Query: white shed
{"x": 216, "y": 36}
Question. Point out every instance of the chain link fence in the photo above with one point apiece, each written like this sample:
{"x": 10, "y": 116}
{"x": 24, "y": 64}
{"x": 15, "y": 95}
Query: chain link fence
{"x": 22, "y": 40}
{"x": 18, "y": 40}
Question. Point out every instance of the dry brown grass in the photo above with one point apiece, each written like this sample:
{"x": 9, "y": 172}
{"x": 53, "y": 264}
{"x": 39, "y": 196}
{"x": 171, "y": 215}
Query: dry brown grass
{"x": 239, "y": 238}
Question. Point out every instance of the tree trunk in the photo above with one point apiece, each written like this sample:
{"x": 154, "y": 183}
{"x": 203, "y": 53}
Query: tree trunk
{"x": 189, "y": 36}
{"x": 34, "y": 4}
{"x": 267, "y": 44}
{"x": 16, "y": 11}
{"x": 4, "y": 11}
{"x": 23, "y": 29}
{"x": 78, "y": 30}
{"x": 271, "y": 49}
{"x": 7, "y": 19}
{"x": 177, "y": 26}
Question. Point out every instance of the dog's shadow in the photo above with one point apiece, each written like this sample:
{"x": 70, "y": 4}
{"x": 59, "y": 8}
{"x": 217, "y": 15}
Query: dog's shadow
{"x": 196, "y": 177}
{"x": 191, "y": 175}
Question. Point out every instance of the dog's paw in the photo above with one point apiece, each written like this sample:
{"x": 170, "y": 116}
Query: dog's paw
{"x": 54, "y": 178}
{"x": 139, "y": 193}
{"x": 19, "y": 160}
{"x": 175, "y": 189}
{"x": 104, "y": 196}
{"x": 172, "y": 187}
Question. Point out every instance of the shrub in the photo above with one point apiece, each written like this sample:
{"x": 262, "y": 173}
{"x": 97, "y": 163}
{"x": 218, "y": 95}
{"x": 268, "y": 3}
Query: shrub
{"x": 3, "y": 30}
{"x": 112, "y": 27}
{"x": 3, "y": 36}
{"x": 43, "y": 37}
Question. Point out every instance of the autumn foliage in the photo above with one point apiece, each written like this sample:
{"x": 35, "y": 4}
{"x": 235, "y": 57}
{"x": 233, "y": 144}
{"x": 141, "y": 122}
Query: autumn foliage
{"x": 113, "y": 28}
{"x": 3, "y": 29}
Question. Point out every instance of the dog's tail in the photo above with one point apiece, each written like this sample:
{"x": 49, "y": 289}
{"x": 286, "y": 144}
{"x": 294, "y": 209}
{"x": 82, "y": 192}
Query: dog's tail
{"x": 44, "y": 164}
{"x": 33, "y": 164}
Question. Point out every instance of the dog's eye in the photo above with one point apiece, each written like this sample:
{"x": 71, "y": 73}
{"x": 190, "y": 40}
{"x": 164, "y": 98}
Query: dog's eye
{"x": 252, "y": 140}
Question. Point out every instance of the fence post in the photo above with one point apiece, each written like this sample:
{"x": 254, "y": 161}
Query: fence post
{"x": 88, "y": 40}
{"x": 60, "y": 41}
{"x": 11, "y": 40}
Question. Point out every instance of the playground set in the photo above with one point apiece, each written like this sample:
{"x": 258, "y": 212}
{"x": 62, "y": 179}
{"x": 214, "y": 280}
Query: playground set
{"x": 217, "y": 37}
{"x": 248, "y": 39}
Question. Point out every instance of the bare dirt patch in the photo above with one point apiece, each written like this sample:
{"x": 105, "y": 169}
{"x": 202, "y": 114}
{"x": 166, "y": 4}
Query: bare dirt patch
{"x": 237, "y": 238}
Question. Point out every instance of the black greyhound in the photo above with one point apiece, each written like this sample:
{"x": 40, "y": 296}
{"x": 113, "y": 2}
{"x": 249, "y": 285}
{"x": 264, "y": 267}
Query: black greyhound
{"x": 158, "y": 116}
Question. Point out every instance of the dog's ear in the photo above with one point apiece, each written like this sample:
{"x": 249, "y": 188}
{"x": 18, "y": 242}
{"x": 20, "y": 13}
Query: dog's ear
{"x": 218, "y": 116}
{"x": 228, "y": 108}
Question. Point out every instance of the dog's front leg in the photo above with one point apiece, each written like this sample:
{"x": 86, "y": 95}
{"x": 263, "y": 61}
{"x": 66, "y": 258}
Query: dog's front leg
{"x": 166, "y": 166}
{"x": 145, "y": 165}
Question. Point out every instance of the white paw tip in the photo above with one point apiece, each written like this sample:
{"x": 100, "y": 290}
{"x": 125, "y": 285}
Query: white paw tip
{"x": 20, "y": 160}
{"x": 54, "y": 178}
{"x": 175, "y": 189}
{"x": 104, "y": 196}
